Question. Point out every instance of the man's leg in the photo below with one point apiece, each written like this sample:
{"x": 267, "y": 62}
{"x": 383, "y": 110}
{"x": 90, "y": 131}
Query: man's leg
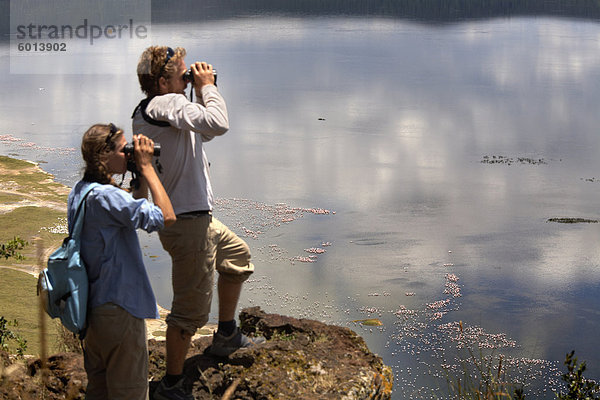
{"x": 228, "y": 337}
{"x": 229, "y": 294}
{"x": 234, "y": 267}
{"x": 192, "y": 280}
{"x": 178, "y": 343}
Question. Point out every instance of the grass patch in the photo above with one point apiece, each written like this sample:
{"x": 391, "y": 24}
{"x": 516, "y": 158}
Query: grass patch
{"x": 27, "y": 223}
{"x": 10, "y": 198}
{"x": 27, "y": 178}
{"x": 35, "y": 183}
{"x": 13, "y": 163}
{"x": 18, "y": 300}
{"x": 18, "y": 297}
{"x": 283, "y": 336}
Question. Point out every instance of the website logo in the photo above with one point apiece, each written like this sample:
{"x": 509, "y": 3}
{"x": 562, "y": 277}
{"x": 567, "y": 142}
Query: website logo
{"x": 83, "y": 37}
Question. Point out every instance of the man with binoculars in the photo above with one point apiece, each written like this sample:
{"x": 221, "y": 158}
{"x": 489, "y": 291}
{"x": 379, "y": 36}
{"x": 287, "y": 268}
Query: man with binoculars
{"x": 198, "y": 243}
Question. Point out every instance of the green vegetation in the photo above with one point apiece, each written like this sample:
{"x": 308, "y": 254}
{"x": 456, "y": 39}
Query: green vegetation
{"x": 14, "y": 164}
{"x": 6, "y": 335}
{"x": 8, "y": 198}
{"x": 44, "y": 213}
{"x": 283, "y": 336}
{"x": 24, "y": 177}
{"x": 12, "y": 247}
{"x": 22, "y": 180}
{"x": 19, "y": 301}
{"x": 25, "y": 222}
{"x": 37, "y": 183}
{"x": 486, "y": 380}
{"x": 578, "y": 386}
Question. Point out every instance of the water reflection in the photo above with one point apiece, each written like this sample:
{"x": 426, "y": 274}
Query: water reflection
{"x": 387, "y": 123}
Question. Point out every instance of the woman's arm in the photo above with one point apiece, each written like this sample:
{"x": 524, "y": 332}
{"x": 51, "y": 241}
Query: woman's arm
{"x": 141, "y": 192}
{"x": 144, "y": 150}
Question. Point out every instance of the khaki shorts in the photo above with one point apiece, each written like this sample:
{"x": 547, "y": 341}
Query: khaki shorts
{"x": 115, "y": 355}
{"x": 198, "y": 246}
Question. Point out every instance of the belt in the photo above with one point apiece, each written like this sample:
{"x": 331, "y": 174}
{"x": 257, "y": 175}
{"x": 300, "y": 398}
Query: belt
{"x": 194, "y": 214}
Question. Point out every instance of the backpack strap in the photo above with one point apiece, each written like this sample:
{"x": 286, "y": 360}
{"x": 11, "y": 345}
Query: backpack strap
{"x": 77, "y": 227}
{"x": 142, "y": 107}
{"x": 77, "y": 221}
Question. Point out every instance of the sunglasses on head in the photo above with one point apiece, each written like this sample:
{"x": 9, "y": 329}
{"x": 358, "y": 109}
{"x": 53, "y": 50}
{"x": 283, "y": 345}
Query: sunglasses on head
{"x": 170, "y": 54}
{"x": 113, "y": 132}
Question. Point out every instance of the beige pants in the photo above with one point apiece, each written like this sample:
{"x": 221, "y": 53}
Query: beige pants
{"x": 115, "y": 355}
{"x": 197, "y": 247}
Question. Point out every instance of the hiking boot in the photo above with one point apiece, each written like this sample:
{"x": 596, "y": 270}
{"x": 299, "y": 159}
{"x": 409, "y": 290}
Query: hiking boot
{"x": 222, "y": 346}
{"x": 179, "y": 391}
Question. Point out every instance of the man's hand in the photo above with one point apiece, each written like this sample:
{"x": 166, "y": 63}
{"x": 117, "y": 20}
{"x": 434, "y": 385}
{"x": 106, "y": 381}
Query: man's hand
{"x": 203, "y": 74}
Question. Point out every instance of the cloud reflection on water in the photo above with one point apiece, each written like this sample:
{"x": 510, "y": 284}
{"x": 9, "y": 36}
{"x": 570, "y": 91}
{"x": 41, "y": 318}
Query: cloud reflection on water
{"x": 407, "y": 123}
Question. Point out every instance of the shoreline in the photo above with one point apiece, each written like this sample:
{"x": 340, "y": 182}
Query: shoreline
{"x": 155, "y": 328}
{"x": 47, "y": 194}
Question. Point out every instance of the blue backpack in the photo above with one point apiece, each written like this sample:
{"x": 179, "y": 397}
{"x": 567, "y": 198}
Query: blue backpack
{"x": 63, "y": 285}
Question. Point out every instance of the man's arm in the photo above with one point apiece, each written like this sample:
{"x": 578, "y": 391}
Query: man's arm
{"x": 210, "y": 120}
{"x": 209, "y": 97}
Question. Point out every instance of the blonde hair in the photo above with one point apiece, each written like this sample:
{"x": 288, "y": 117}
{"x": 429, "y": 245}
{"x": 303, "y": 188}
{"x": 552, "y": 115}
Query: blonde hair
{"x": 97, "y": 142}
{"x": 152, "y": 66}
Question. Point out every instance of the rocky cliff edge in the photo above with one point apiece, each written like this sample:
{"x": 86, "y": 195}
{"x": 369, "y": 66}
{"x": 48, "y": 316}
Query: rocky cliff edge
{"x": 302, "y": 359}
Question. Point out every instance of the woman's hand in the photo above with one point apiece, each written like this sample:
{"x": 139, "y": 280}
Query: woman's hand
{"x": 143, "y": 152}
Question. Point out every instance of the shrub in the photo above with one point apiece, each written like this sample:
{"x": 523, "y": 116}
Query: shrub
{"x": 12, "y": 247}
{"x": 6, "y": 335}
{"x": 579, "y": 388}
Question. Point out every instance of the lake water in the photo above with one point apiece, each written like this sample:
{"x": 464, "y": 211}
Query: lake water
{"x": 385, "y": 167}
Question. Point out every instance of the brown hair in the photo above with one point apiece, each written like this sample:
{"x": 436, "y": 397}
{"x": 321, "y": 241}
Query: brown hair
{"x": 97, "y": 142}
{"x": 152, "y": 66}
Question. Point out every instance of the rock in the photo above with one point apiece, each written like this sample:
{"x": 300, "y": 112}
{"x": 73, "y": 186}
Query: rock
{"x": 65, "y": 378}
{"x": 302, "y": 359}
{"x": 569, "y": 220}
